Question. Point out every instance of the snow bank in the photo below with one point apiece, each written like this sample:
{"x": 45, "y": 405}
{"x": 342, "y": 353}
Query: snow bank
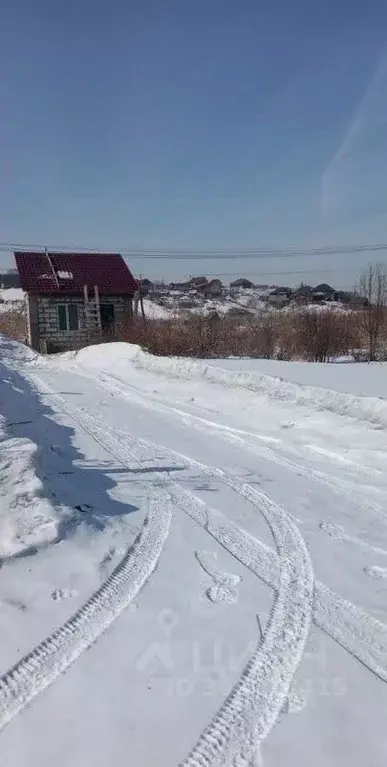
{"x": 362, "y": 379}
{"x": 27, "y": 519}
{"x": 14, "y": 351}
{"x": 370, "y": 409}
{"x": 12, "y": 294}
{"x": 155, "y": 311}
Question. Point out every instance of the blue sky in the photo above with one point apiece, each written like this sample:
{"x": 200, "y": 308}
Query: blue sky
{"x": 196, "y": 125}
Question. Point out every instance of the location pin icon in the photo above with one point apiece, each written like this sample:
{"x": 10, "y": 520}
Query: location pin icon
{"x": 168, "y": 620}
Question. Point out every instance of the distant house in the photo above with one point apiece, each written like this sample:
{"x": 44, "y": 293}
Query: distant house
{"x": 344, "y": 296}
{"x": 279, "y": 297}
{"x": 210, "y": 289}
{"x": 323, "y": 292}
{"x": 318, "y": 297}
{"x": 73, "y": 297}
{"x": 243, "y": 283}
{"x": 181, "y": 287}
{"x": 303, "y": 294}
{"x": 10, "y": 279}
{"x": 277, "y": 300}
{"x": 146, "y": 286}
{"x": 201, "y": 280}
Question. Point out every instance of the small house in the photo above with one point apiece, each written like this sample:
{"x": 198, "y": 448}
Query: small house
{"x": 303, "y": 294}
{"x": 180, "y": 287}
{"x": 212, "y": 289}
{"x": 146, "y": 286}
{"x": 279, "y": 297}
{"x": 10, "y": 279}
{"x": 74, "y": 298}
{"x": 277, "y": 300}
{"x": 243, "y": 283}
{"x": 323, "y": 292}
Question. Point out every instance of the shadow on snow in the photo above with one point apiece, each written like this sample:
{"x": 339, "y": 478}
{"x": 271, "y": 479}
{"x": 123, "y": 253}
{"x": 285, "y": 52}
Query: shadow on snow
{"x": 69, "y": 480}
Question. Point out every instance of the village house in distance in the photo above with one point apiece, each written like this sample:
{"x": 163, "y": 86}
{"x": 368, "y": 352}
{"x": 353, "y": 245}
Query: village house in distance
{"x": 73, "y": 296}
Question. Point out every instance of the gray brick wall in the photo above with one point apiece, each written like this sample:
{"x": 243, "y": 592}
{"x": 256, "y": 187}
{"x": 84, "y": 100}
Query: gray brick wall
{"x": 48, "y": 319}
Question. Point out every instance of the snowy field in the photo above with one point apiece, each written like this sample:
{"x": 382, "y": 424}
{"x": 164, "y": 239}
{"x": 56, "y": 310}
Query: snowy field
{"x": 362, "y": 379}
{"x": 214, "y": 535}
{"x": 11, "y": 298}
{"x": 175, "y": 304}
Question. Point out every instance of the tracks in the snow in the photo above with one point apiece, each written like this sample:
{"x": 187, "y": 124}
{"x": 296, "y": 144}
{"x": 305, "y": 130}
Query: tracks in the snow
{"x": 256, "y": 701}
{"x": 253, "y": 706}
{"x": 251, "y": 440}
{"x": 55, "y": 653}
{"x": 358, "y": 632}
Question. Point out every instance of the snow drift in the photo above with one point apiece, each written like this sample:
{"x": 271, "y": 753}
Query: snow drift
{"x": 121, "y": 356}
{"x": 27, "y": 519}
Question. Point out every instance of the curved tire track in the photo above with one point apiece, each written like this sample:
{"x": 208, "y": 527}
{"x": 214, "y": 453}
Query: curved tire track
{"x": 249, "y": 439}
{"x": 253, "y": 706}
{"x": 55, "y": 654}
{"x": 358, "y": 632}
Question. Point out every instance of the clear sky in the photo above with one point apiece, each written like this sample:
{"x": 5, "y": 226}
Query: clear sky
{"x": 196, "y": 124}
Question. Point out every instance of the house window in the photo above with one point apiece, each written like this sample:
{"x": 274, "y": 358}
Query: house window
{"x": 68, "y": 317}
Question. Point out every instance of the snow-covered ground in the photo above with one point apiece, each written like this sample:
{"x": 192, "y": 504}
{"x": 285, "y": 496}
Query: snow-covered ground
{"x": 176, "y": 303}
{"x": 214, "y": 533}
{"x": 360, "y": 379}
{"x": 11, "y": 298}
{"x": 155, "y": 311}
{"x": 11, "y": 294}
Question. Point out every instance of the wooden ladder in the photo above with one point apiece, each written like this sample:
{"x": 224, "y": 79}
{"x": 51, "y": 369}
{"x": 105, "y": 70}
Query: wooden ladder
{"x": 92, "y": 309}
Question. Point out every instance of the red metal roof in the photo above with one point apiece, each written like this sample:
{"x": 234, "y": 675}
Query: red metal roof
{"x": 67, "y": 273}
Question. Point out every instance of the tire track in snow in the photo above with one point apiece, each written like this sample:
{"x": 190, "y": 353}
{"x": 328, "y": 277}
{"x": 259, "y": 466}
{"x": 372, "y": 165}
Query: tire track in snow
{"x": 57, "y": 652}
{"x": 255, "y": 703}
{"x": 358, "y": 632}
{"x": 249, "y": 715}
{"x": 253, "y": 706}
{"x": 363, "y": 636}
{"x": 249, "y": 440}
{"x": 338, "y": 533}
{"x": 110, "y": 382}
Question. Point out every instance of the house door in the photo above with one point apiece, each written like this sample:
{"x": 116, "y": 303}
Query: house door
{"x": 107, "y": 318}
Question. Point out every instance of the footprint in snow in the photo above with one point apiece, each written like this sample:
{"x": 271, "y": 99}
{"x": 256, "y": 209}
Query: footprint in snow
{"x": 224, "y": 589}
{"x": 379, "y": 573}
{"x": 59, "y": 594}
{"x": 335, "y": 531}
{"x": 296, "y": 700}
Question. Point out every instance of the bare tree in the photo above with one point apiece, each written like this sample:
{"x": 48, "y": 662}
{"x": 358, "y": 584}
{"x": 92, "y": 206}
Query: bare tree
{"x": 372, "y": 315}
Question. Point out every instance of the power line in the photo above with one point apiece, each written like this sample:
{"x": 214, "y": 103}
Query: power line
{"x": 276, "y": 274}
{"x": 210, "y": 254}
